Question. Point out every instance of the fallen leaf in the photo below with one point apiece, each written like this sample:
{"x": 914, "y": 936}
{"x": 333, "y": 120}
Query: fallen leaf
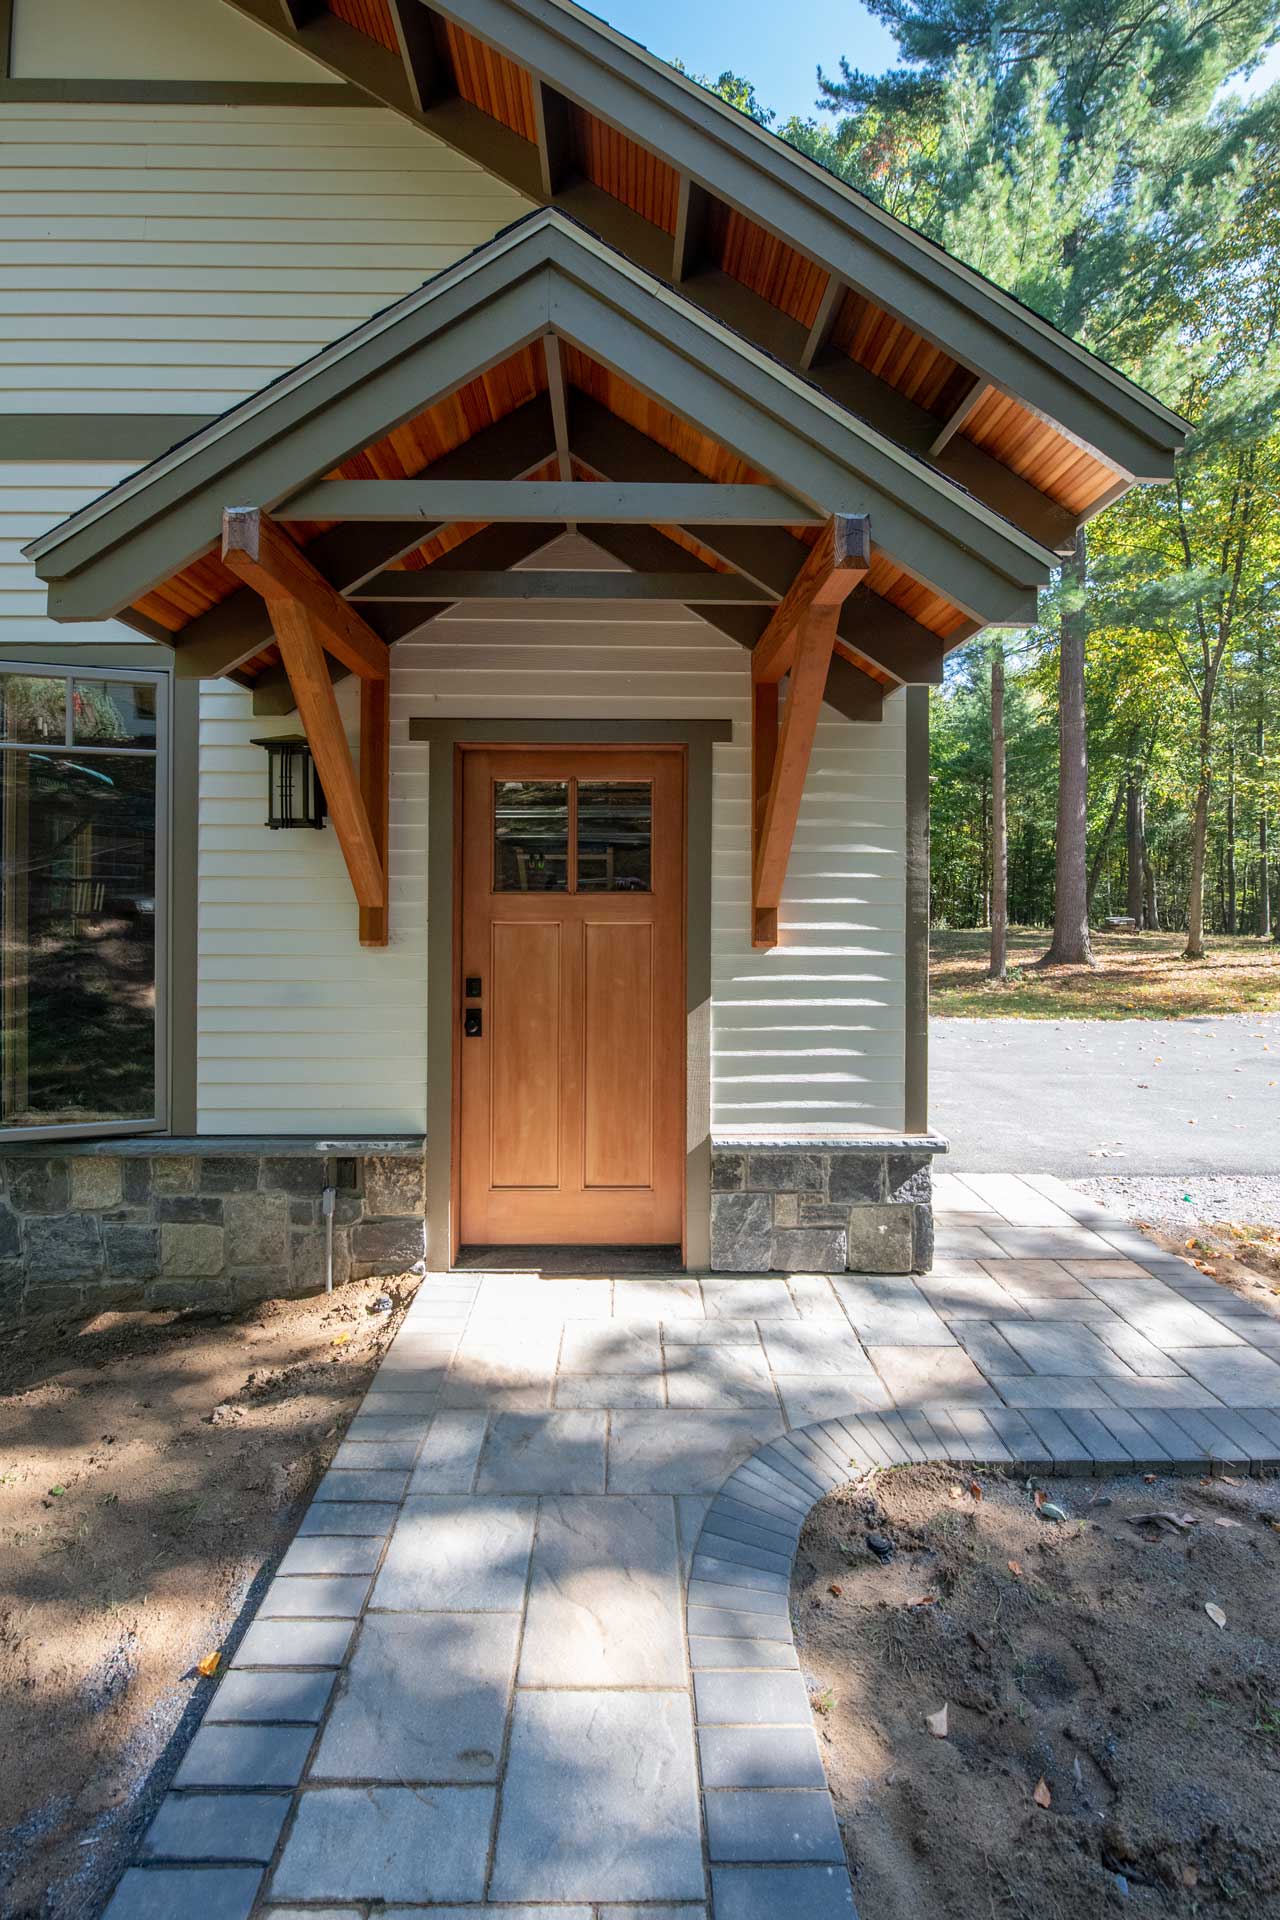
{"x": 1221, "y": 1521}
{"x": 1150, "y": 1479}
{"x": 975, "y": 1490}
{"x": 1216, "y": 1614}
{"x": 209, "y": 1665}
{"x": 1040, "y": 1496}
{"x": 55, "y": 1491}
{"x": 1225, "y": 1480}
{"x": 340, "y": 1339}
{"x": 837, "y": 1591}
{"x": 1042, "y": 1795}
{"x": 1015, "y": 1570}
{"x": 937, "y": 1722}
{"x": 1190, "y": 1877}
{"x": 955, "y": 1493}
{"x": 1049, "y": 1510}
{"x": 925, "y": 1600}
{"x": 1182, "y": 1522}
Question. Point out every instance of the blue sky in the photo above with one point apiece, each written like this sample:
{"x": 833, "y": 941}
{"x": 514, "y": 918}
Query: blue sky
{"x": 777, "y": 47}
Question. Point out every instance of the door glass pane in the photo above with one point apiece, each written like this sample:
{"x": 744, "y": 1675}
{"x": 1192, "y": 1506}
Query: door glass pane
{"x": 77, "y": 938}
{"x": 113, "y": 713}
{"x": 531, "y": 836}
{"x": 615, "y": 827}
{"x": 33, "y": 707}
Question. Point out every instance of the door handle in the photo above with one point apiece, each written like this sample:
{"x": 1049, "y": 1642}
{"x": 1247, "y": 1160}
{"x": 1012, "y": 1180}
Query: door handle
{"x": 471, "y": 1023}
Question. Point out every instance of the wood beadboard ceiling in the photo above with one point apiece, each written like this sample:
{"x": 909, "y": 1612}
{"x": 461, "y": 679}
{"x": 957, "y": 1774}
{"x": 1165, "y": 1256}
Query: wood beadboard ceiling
{"x": 412, "y": 448}
{"x": 1001, "y": 426}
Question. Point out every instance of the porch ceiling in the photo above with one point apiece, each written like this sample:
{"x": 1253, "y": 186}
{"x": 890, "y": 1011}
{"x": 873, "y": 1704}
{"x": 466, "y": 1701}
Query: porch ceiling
{"x": 573, "y": 115}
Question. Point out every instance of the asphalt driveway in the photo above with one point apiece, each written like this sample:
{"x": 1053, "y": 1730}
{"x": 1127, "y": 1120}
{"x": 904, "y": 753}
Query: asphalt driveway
{"x": 1200, "y": 1095}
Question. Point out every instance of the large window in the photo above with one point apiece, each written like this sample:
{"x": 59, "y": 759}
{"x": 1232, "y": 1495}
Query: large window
{"x": 82, "y": 790}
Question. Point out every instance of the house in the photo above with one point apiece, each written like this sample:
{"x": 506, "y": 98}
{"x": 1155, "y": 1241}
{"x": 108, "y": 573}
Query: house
{"x": 563, "y": 494}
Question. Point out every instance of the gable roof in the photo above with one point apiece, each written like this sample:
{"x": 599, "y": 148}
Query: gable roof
{"x": 574, "y": 114}
{"x": 449, "y": 385}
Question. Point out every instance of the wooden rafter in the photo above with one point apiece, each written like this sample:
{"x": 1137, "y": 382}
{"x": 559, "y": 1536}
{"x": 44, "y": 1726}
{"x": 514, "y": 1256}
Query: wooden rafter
{"x": 584, "y": 500}
{"x": 309, "y": 618}
{"x": 443, "y": 582}
{"x": 799, "y": 641}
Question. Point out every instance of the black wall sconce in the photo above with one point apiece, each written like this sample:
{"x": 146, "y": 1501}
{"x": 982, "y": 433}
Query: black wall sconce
{"x": 295, "y": 797}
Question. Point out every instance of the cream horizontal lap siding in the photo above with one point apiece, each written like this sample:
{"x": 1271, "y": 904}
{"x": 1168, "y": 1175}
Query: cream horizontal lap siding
{"x": 173, "y": 259}
{"x": 34, "y": 498}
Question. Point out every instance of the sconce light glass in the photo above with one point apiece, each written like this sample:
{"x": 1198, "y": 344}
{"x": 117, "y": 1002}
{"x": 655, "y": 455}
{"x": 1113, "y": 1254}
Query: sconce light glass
{"x": 295, "y": 797}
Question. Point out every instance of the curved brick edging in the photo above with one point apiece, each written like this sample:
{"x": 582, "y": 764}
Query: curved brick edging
{"x": 774, "y": 1846}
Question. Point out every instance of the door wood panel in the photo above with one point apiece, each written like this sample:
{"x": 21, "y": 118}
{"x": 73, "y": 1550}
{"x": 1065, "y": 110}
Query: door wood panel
{"x": 570, "y": 1113}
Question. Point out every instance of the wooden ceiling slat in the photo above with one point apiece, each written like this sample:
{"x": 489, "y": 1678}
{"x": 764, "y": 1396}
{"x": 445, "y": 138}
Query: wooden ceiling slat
{"x": 370, "y": 17}
{"x": 1037, "y": 452}
{"x": 788, "y": 280}
{"x": 628, "y": 172}
{"x": 490, "y": 81}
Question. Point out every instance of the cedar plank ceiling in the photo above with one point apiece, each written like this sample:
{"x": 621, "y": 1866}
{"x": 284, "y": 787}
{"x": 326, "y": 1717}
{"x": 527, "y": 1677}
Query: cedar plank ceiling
{"x": 411, "y": 449}
{"x": 1003, "y": 427}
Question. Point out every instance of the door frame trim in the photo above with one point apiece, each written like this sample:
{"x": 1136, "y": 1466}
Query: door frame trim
{"x": 444, "y": 906}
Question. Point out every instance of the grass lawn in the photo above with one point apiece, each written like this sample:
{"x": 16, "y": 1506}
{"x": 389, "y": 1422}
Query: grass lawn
{"x": 1140, "y": 976}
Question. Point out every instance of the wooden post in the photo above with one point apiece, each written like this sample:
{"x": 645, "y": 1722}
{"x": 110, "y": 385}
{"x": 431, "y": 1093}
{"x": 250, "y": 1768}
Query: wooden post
{"x": 375, "y": 790}
{"x": 764, "y": 752}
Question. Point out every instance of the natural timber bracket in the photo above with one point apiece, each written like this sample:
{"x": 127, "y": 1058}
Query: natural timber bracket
{"x": 310, "y": 618}
{"x": 798, "y": 643}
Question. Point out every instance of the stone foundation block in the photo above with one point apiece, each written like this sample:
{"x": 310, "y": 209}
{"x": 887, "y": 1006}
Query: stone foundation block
{"x": 96, "y": 1183}
{"x": 394, "y": 1186}
{"x": 388, "y": 1246}
{"x": 133, "y": 1253}
{"x": 809, "y": 1250}
{"x": 257, "y": 1229}
{"x": 741, "y": 1232}
{"x": 64, "y": 1246}
{"x": 881, "y": 1239}
{"x": 188, "y": 1251}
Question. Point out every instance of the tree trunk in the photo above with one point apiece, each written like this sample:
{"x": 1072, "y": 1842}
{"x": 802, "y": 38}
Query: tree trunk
{"x": 1070, "y": 944}
{"x": 1199, "y": 833}
{"x": 1100, "y": 853}
{"x": 1231, "y": 832}
{"x": 1264, "y": 871}
{"x": 1135, "y": 853}
{"x": 999, "y": 825}
{"x": 1150, "y": 904}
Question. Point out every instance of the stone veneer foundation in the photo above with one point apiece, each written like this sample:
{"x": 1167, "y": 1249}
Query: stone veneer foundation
{"x": 823, "y": 1206}
{"x": 154, "y": 1222}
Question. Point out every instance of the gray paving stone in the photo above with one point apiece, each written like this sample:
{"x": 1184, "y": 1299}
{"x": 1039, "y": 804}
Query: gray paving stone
{"x": 722, "y": 1622}
{"x": 602, "y": 1390}
{"x": 314, "y": 1913}
{"x": 216, "y": 1826}
{"x": 613, "y": 1346}
{"x": 784, "y": 1459}
{"x": 424, "y": 1699}
{"x": 387, "y": 1843}
{"x": 1068, "y": 1450}
{"x": 753, "y": 1600}
{"x": 931, "y": 1445}
{"x": 368, "y": 1519}
{"x": 915, "y": 1375}
{"x": 1062, "y": 1348}
{"x": 1096, "y": 1436}
{"x": 1138, "y": 1393}
{"x": 807, "y": 1401}
{"x": 378, "y": 1426}
{"x": 1048, "y": 1243}
{"x": 710, "y": 1651}
{"x": 892, "y": 1313}
{"x": 604, "y": 1595}
{"x": 1177, "y": 1443}
{"x": 772, "y": 1826}
{"x": 691, "y": 1511}
{"x": 719, "y": 1332}
{"x": 767, "y": 1550}
{"x": 968, "y": 1296}
{"x": 810, "y": 1446}
{"x": 1246, "y": 1433}
{"x": 814, "y": 1350}
{"x": 987, "y": 1346}
{"x": 1019, "y": 1436}
{"x": 574, "y": 1912}
{"x": 959, "y": 1446}
{"x": 1142, "y": 1449}
{"x": 719, "y": 1376}
{"x": 677, "y": 1452}
{"x": 1050, "y": 1390}
{"x": 544, "y": 1453}
{"x": 663, "y": 1300}
{"x": 760, "y": 1757}
{"x": 583, "y": 1765}
{"x": 454, "y": 1553}
{"x": 291, "y": 1695}
{"x": 1170, "y": 1323}
{"x": 508, "y": 1386}
{"x": 245, "y": 1757}
{"x": 678, "y": 1912}
{"x": 1137, "y": 1352}
{"x": 447, "y": 1463}
{"x": 363, "y": 1454}
{"x": 294, "y": 1643}
{"x": 986, "y": 1447}
{"x": 400, "y": 1399}
{"x": 332, "y": 1553}
{"x": 748, "y": 1300}
{"x": 735, "y": 1573}
{"x": 1267, "y": 1421}
{"x": 769, "y": 1893}
{"x": 1217, "y": 1446}
{"x": 757, "y": 1514}
{"x": 1241, "y": 1377}
{"x": 825, "y": 1444}
{"x": 378, "y": 1484}
{"x": 782, "y": 1487}
{"x": 208, "y": 1893}
{"x": 751, "y": 1699}
{"x": 1036, "y": 1279}
{"x": 327, "y": 1597}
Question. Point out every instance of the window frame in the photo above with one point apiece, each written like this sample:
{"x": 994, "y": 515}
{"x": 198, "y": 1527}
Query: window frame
{"x": 164, "y": 801}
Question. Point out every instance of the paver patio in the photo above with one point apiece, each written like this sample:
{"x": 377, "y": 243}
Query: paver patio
{"x": 531, "y": 1653}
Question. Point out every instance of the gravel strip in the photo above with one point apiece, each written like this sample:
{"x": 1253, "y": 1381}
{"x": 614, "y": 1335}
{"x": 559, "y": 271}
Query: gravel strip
{"x": 1245, "y": 1199}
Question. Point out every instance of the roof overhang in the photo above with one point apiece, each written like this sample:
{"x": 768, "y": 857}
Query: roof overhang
{"x": 545, "y": 276}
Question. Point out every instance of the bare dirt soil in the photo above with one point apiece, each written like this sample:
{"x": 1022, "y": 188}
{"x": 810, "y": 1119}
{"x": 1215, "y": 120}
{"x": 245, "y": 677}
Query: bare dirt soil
{"x": 1136, "y": 976}
{"x": 1244, "y": 1257}
{"x": 1074, "y": 1657}
{"x": 153, "y": 1468}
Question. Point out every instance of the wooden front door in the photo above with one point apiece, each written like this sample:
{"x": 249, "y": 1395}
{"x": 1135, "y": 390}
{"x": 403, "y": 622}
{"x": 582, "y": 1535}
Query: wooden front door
{"x": 571, "y": 1019}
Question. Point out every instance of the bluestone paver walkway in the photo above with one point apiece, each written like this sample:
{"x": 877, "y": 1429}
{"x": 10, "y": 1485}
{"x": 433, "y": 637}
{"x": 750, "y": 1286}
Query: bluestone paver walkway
{"x": 531, "y": 1650}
